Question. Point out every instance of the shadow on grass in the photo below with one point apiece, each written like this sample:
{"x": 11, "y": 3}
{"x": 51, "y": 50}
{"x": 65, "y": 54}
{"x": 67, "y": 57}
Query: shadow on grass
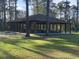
{"x": 38, "y": 52}
{"x": 6, "y": 55}
{"x": 57, "y": 43}
{"x": 51, "y": 47}
{"x": 71, "y": 38}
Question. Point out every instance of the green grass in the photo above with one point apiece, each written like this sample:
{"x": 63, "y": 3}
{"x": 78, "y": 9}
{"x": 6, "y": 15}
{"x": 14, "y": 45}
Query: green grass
{"x": 39, "y": 47}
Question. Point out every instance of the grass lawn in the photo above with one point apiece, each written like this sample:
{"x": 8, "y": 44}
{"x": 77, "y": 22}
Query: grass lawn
{"x": 39, "y": 47}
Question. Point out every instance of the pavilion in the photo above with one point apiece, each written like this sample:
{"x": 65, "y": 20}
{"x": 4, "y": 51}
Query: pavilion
{"x": 38, "y": 24}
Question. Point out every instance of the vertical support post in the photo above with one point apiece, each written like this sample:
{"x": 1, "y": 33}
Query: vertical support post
{"x": 40, "y": 27}
{"x": 35, "y": 27}
{"x": 53, "y": 27}
{"x": 70, "y": 28}
{"x": 43, "y": 27}
{"x": 14, "y": 27}
{"x": 60, "y": 27}
{"x": 65, "y": 28}
{"x": 56, "y": 27}
{"x": 17, "y": 27}
{"x": 49, "y": 26}
{"x": 22, "y": 27}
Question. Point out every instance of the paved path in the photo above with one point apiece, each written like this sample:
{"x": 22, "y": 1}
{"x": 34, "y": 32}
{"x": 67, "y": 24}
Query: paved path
{"x": 6, "y": 34}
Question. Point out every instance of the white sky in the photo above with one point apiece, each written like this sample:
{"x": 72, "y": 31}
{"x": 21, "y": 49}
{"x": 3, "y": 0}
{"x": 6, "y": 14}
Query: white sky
{"x": 72, "y": 1}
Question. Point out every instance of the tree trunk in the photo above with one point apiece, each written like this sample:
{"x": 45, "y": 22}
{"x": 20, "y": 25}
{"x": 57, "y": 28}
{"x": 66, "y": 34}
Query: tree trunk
{"x": 37, "y": 6}
{"x": 9, "y": 11}
{"x": 4, "y": 14}
{"x": 77, "y": 17}
{"x": 15, "y": 9}
{"x": 60, "y": 14}
{"x": 27, "y": 19}
{"x": 47, "y": 26}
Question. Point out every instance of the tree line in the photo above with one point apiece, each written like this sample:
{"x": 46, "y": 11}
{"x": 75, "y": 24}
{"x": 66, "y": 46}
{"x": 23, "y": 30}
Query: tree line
{"x": 62, "y": 10}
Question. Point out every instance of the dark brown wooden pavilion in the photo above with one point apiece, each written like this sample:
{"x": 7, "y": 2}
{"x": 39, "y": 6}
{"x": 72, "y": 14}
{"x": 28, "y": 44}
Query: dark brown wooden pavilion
{"x": 38, "y": 24}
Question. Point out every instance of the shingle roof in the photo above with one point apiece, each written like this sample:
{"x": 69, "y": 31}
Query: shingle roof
{"x": 41, "y": 18}
{"x": 44, "y": 18}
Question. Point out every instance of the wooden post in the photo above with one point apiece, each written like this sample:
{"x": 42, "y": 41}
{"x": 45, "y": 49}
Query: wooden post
{"x": 70, "y": 28}
{"x": 43, "y": 27}
{"x": 35, "y": 25}
{"x": 65, "y": 28}
{"x": 17, "y": 27}
{"x": 22, "y": 27}
{"x": 10, "y": 26}
{"x": 40, "y": 27}
{"x": 49, "y": 27}
{"x": 56, "y": 28}
{"x": 52, "y": 27}
{"x": 14, "y": 27}
{"x": 60, "y": 27}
